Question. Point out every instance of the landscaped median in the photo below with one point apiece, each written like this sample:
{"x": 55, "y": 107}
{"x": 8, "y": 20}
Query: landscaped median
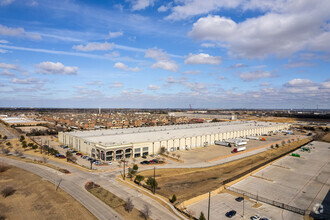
{"x": 124, "y": 208}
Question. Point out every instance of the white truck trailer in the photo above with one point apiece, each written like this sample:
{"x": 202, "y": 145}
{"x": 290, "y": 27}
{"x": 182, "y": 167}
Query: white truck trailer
{"x": 252, "y": 137}
{"x": 238, "y": 149}
{"x": 226, "y": 144}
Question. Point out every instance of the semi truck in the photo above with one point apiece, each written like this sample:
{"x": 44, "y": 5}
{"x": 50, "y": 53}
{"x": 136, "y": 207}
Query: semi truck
{"x": 222, "y": 143}
{"x": 239, "y": 149}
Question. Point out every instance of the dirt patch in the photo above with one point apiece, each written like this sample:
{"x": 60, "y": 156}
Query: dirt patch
{"x": 189, "y": 183}
{"x": 36, "y": 198}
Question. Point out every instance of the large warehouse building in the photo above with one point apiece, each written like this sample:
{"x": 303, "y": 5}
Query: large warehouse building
{"x": 108, "y": 145}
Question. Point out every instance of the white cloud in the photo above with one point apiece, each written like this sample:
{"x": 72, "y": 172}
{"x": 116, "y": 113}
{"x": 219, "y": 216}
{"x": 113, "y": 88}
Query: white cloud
{"x": 265, "y": 84}
{"x": 141, "y": 4}
{"x": 112, "y": 55}
{"x": 171, "y": 80}
{"x": 299, "y": 82}
{"x": 208, "y": 45}
{"x": 17, "y": 32}
{"x": 124, "y": 67}
{"x": 94, "y": 46}
{"x": 95, "y": 83}
{"x": 25, "y": 81}
{"x": 116, "y": 34}
{"x": 3, "y": 51}
{"x": 10, "y": 66}
{"x": 238, "y": 65}
{"x": 7, "y": 73}
{"x": 164, "y": 8}
{"x": 6, "y": 2}
{"x": 116, "y": 84}
{"x": 192, "y": 72}
{"x": 202, "y": 58}
{"x": 55, "y": 68}
{"x": 153, "y": 87}
{"x": 190, "y": 8}
{"x": 281, "y": 31}
{"x": 298, "y": 64}
{"x": 254, "y": 75}
{"x": 3, "y": 42}
{"x": 163, "y": 60}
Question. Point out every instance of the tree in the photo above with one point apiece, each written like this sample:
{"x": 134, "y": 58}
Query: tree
{"x": 68, "y": 154}
{"x": 22, "y": 138}
{"x": 202, "y": 217}
{"x": 139, "y": 179}
{"x": 129, "y": 205}
{"x": 8, "y": 144}
{"x": 276, "y": 145}
{"x": 173, "y": 199}
{"x": 152, "y": 183}
{"x": 34, "y": 147}
{"x": 135, "y": 167}
{"x": 30, "y": 144}
{"x": 146, "y": 211}
{"x": 5, "y": 137}
{"x": 8, "y": 191}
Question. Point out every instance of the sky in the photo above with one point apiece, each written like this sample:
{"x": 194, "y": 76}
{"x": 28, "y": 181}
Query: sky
{"x": 270, "y": 54}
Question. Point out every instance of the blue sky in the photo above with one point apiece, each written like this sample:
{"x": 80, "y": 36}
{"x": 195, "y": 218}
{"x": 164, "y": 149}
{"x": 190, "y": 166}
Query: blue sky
{"x": 165, "y": 54}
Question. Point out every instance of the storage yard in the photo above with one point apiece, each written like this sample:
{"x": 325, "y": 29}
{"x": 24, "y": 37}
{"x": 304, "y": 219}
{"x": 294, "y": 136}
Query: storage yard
{"x": 301, "y": 182}
{"x": 108, "y": 145}
{"x": 217, "y": 151}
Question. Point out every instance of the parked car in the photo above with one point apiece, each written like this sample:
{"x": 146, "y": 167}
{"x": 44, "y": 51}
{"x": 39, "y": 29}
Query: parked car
{"x": 110, "y": 163}
{"x": 231, "y": 213}
{"x": 144, "y": 157}
{"x": 97, "y": 162}
{"x": 74, "y": 151}
{"x": 239, "y": 199}
{"x": 264, "y": 218}
{"x": 78, "y": 154}
{"x": 255, "y": 217}
{"x": 155, "y": 160}
{"x": 145, "y": 162}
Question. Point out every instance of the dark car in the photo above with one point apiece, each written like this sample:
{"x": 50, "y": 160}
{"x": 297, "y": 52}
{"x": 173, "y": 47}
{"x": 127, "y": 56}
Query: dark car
{"x": 145, "y": 162}
{"x": 144, "y": 157}
{"x": 239, "y": 199}
{"x": 78, "y": 154}
{"x": 155, "y": 160}
{"x": 230, "y": 213}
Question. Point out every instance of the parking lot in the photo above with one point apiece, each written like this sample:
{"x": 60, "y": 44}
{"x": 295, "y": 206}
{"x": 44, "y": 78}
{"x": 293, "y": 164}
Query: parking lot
{"x": 214, "y": 151}
{"x": 224, "y": 202}
{"x": 301, "y": 182}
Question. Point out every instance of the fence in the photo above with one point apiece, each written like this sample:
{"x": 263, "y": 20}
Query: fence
{"x": 268, "y": 201}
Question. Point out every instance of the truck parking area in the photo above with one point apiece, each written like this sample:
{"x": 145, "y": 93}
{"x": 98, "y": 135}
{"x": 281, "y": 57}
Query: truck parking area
{"x": 301, "y": 182}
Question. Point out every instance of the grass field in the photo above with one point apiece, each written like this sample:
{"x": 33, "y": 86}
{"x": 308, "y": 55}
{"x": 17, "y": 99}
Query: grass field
{"x": 189, "y": 183}
{"x": 36, "y": 198}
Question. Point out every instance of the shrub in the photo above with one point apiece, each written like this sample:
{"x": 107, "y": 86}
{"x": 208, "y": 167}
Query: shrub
{"x": 3, "y": 167}
{"x": 173, "y": 199}
{"x": 202, "y": 217}
{"x": 8, "y": 191}
{"x": 138, "y": 179}
{"x": 129, "y": 205}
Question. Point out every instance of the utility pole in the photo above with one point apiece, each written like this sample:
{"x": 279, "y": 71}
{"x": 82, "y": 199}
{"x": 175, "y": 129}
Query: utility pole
{"x": 208, "y": 211}
{"x": 124, "y": 167}
{"x": 243, "y": 205}
{"x": 154, "y": 180}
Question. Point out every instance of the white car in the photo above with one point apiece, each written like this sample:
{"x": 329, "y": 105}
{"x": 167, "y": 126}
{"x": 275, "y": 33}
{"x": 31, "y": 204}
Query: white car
{"x": 110, "y": 163}
{"x": 255, "y": 217}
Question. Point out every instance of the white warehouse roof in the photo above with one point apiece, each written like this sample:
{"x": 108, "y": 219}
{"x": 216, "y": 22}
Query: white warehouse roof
{"x": 113, "y": 137}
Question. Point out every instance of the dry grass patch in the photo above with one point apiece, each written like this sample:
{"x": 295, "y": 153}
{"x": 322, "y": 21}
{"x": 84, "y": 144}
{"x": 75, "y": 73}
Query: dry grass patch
{"x": 36, "y": 198}
{"x": 189, "y": 183}
{"x": 113, "y": 201}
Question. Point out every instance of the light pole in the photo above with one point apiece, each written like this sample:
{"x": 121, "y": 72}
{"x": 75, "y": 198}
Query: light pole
{"x": 208, "y": 211}
{"x": 243, "y": 205}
